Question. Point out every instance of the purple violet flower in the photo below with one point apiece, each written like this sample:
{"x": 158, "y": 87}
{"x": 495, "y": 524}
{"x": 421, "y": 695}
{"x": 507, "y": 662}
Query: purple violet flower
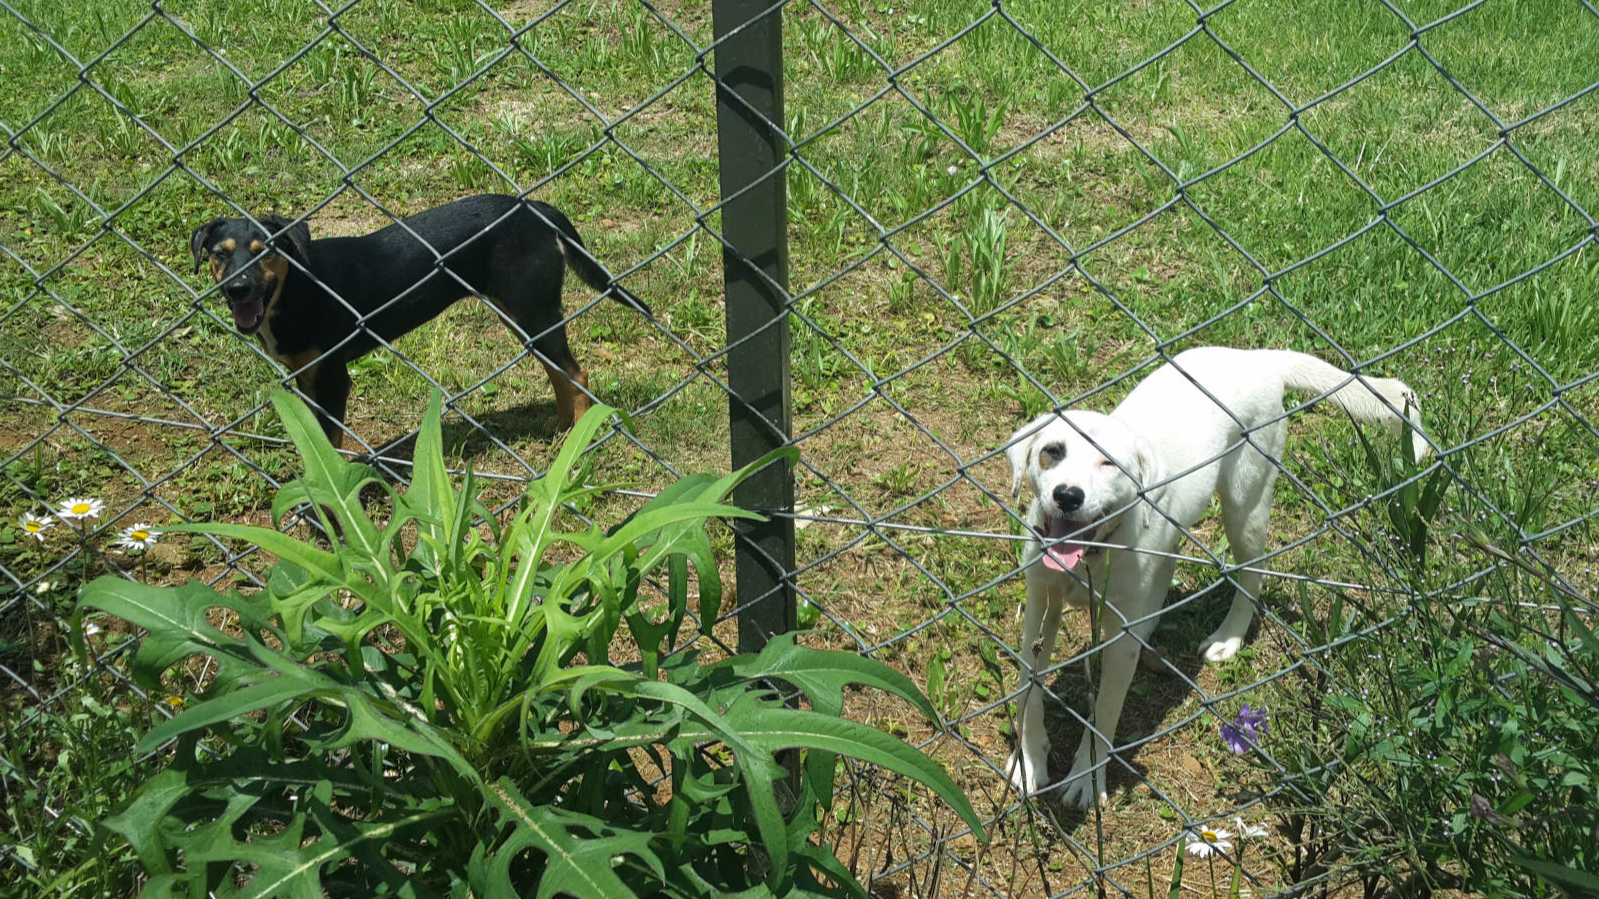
{"x": 1246, "y": 730}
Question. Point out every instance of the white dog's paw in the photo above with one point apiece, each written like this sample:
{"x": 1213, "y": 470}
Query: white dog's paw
{"x": 1027, "y": 777}
{"x": 1081, "y": 788}
{"x": 1221, "y": 646}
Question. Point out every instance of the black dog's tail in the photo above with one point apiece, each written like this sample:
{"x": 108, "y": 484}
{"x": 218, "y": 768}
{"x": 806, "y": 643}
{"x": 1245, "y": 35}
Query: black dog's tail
{"x": 579, "y": 260}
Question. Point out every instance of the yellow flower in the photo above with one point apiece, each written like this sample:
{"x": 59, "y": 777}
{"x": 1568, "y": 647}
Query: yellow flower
{"x": 35, "y": 526}
{"x": 80, "y": 508}
{"x": 1205, "y": 840}
{"x": 138, "y": 537}
{"x": 175, "y": 701}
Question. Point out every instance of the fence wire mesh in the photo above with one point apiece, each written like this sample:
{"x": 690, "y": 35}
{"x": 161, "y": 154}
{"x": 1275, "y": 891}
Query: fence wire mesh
{"x": 995, "y": 210}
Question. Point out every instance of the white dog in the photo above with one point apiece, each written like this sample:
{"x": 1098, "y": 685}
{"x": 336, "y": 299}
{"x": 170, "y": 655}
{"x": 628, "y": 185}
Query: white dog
{"x": 1114, "y": 495}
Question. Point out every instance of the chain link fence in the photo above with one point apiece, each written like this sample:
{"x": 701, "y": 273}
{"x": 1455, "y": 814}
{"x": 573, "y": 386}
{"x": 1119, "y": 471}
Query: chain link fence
{"x": 915, "y": 229}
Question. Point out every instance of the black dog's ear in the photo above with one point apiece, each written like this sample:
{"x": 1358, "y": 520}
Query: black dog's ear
{"x": 198, "y": 239}
{"x": 299, "y": 236}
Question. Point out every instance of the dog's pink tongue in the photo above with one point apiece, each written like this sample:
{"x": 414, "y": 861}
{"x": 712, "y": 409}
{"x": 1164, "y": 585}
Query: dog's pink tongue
{"x": 1063, "y": 556}
{"x": 247, "y": 314}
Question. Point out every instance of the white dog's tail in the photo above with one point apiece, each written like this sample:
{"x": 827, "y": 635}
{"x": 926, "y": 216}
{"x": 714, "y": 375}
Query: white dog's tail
{"x": 1365, "y": 398}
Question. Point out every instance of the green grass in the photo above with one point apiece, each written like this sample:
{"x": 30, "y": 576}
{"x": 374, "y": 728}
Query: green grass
{"x": 332, "y": 109}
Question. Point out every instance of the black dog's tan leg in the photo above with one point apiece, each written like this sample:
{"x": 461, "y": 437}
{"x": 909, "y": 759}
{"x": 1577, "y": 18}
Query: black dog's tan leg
{"x": 327, "y": 383}
{"x": 570, "y": 402}
{"x": 567, "y": 378}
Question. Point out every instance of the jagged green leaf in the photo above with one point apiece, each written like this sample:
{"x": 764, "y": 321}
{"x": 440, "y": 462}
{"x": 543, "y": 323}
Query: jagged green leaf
{"x": 228, "y": 705}
{"x": 759, "y": 769}
{"x": 823, "y": 674}
{"x": 175, "y": 619}
{"x": 431, "y": 497}
{"x": 329, "y": 480}
{"x": 368, "y": 723}
{"x": 774, "y": 729}
{"x": 579, "y": 850}
{"x": 139, "y": 819}
{"x": 285, "y": 863}
{"x": 319, "y": 563}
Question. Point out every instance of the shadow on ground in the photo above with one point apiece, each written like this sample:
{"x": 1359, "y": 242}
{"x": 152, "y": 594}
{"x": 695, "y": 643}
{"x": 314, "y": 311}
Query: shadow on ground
{"x": 1160, "y": 685}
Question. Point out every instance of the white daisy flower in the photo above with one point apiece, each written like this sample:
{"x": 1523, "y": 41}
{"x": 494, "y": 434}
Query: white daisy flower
{"x": 1249, "y": 831}
{"x": 80, "y": 508}
{"x": 90, "y": 628}
{"x": 1206, "y": 841}
{"x": 35, "y": 526}
{"x": 138, "y": 537}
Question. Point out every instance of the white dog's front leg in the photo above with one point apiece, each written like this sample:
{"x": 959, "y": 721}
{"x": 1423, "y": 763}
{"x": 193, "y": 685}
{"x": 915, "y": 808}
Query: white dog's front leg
{"x": 1120, "y": 659}
{"x": 1028, "y": 767}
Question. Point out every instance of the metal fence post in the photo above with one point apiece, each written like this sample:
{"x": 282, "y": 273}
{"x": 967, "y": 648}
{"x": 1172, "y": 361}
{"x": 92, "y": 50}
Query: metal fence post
{"x": 749, "y": 102}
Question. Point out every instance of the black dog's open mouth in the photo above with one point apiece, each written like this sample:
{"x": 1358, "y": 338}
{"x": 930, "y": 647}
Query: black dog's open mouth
{"x": 1063, "y": 555}
{"x": 248, "y": 314}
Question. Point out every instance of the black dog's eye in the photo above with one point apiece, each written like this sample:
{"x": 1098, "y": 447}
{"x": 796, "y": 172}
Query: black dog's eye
{"x": 1105, "y": 462}
{"x": 1054, "y": 451}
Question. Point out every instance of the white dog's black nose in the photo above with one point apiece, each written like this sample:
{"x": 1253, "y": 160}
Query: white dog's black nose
{"x": 1070, "y": 499}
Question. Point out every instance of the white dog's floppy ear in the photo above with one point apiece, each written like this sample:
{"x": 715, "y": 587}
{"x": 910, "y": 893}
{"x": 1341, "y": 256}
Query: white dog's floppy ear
{"x": 1019, "y": 448}
{"x": 1149, "y": 472}
{"x": 1017, "y": 454}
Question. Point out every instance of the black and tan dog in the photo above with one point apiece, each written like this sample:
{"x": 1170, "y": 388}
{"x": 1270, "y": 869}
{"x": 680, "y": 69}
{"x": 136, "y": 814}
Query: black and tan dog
{"x": 386, "y": 283}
